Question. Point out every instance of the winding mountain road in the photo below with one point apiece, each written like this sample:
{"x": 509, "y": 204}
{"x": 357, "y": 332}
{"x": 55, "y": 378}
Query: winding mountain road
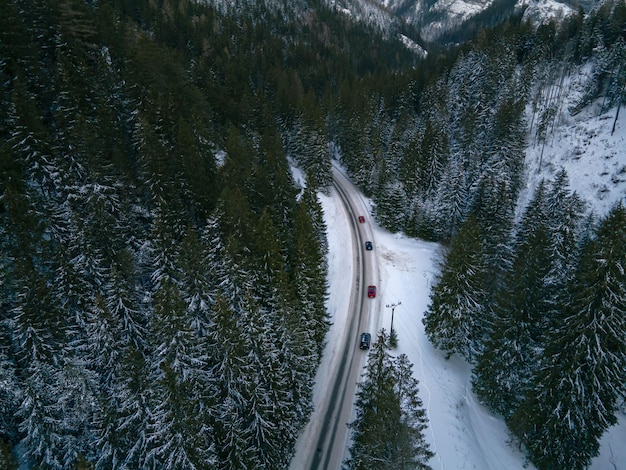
{"x": 324, "y": 442}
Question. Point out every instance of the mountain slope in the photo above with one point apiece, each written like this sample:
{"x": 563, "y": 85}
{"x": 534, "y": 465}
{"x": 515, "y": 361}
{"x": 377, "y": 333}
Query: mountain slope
{"x": 435, "y": 19}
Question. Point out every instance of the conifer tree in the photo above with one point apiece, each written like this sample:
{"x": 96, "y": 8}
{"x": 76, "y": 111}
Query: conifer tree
{"x": 433, "y": 155}
{"x": 308, "y": 144}
{"x": 494, "y": 211}
{"x": 512, "y": 351}
{"x": 565, "y": 212}
{"x": 10, "y": 392}
{"x": 417, "y": 452}
{"x": 309, "y": 274}
{"x": 387, "y": 432}
{"x": 576, "y": 396}
{"x": 232, "y": 378}
{"x": 451, "y": 200}
{"x": 454, "y": 320}
{"x": 391, "y": 206}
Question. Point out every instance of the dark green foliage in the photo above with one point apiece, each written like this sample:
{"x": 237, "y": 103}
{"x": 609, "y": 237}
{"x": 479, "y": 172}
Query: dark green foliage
{"x": 6, "y": 459}
{"x": 129, "y": 254}
{"x": 530, "y": 302}
{"x": 455, "y": 318}
{"x": 388, "y": 429}
{"x": 575, "y": 397}
{"x": 513, "y": 349}
{"x": 158, "y": 305}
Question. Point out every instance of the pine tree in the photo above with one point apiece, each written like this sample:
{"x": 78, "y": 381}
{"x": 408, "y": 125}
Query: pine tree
{"x": 494, "y": 211}
{"x": 512, "y": 352}
{"x": 308, "y": 144}
{"x": 308, "y": 329}
{"x": 451, "y": 200}
{"x": 454, "y": 320}
{"x": 433, "y": 155}
{"x": 391, "y": 205}
{"x": 270, "y": 412}
{"x": 415, "y": 420}
{"x": 576, "y": 396}
{"x": 565, "y": 212}
{"x": 10, "y": 392}
{"x": 387, "y": 431}
{"x": 176, "y": 435}
{"x": 232, "y": 378}
{"x": 124, "y": 425}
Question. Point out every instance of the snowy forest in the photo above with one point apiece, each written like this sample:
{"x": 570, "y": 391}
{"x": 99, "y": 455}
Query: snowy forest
{"x": 163, "y": 277}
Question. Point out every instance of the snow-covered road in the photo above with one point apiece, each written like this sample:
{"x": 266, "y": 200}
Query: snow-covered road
{"x": 323, "y": 443}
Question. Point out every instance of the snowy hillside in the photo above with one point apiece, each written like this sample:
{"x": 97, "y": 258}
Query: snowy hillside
{"x": 432, "y": 18}
{"x": 585, "y": 145}
{"x": 539, "y": 11}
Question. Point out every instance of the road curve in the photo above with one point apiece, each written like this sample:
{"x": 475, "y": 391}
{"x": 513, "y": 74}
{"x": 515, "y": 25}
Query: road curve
{"x": 328, "y": 445}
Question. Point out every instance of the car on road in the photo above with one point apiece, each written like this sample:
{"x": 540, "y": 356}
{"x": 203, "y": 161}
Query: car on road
{"x": 364, "y": 343}
{"x": 368, "y": 246}
{"x": 371, "y": 291}
{"x": 361, "y": 219}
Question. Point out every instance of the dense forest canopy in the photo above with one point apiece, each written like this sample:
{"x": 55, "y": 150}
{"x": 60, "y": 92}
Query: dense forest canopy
{"x": 163, "y": 278}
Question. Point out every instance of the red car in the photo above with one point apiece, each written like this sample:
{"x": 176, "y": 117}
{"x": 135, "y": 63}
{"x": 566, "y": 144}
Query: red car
{"x": 361, "y": 219}
{"x": 371, "y": 291}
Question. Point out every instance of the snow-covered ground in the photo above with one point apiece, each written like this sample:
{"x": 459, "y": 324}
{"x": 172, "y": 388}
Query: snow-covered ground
{"x": 463, "y": 433}
{"x": 593, "y": 156}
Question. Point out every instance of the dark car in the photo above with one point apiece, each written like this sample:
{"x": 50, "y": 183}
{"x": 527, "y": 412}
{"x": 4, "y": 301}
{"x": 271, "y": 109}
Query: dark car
{"x": 361, "y": 219}
{"x": 371, "y": 291}
{"x": 365, "y": 341}
{"x": 368, "y": 245}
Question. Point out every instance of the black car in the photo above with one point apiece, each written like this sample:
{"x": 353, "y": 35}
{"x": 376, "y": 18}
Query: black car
{"x": 368, "y": 245}
{"x": 365, "y": 341}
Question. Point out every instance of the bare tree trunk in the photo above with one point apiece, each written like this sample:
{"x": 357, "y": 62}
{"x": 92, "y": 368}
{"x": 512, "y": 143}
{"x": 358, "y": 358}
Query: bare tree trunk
{"x": 619, "y": 104}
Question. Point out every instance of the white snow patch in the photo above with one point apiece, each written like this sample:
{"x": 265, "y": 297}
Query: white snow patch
{"x": 413, "y": 46}
{"x": 544, "y": 11}
{"x": 220, "y": 158}
{"x": 586, "y": 146}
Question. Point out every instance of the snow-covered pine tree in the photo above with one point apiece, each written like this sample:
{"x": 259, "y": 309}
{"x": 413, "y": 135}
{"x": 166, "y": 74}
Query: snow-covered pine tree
{"x": 455, "y": 316}
{"x": 233, "y": 379}
{"x": 124, "y": 423}
{"x": 195, "y": 282}
{"x": 494, "y": 211}
{"x": 433, "y": 153}
{"x": 359, "y": 142}
{"x": 387, "y": 431}
{"x": 512, "y": 351}
{"x": 56, "y": 389}
{"x": 309, "y": 274}
{"x": 10, "y": 392}
{"x": 274, "y": 188}
{"x": 471, "y": 89}
{"x": 576, "y": 396}
{"x": 414, "y": 416}
{"x": 565, "y": 212}
{"x": 391, "y": 206}
{"x": 451, "y": 200}
{"x": 271, "y": 411}
{"x": 178, "y": 382}
{"x": 378, "y": 413}
{"x": 177, "y": 437}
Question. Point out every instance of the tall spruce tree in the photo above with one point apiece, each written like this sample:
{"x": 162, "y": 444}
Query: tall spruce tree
{"x": 387, "y": 431}
{"x": 511, "y": 355}
{"x": 455, "y": 316}
{"x": 575, "y": 397}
